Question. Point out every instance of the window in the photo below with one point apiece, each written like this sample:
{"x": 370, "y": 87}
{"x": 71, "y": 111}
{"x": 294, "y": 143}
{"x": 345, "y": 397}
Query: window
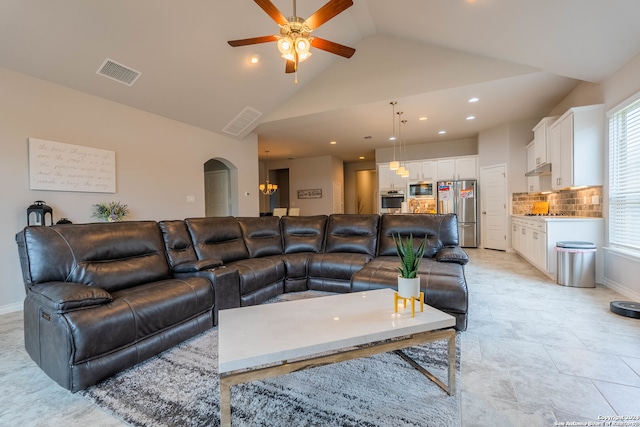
{"x": 624, "y": 177}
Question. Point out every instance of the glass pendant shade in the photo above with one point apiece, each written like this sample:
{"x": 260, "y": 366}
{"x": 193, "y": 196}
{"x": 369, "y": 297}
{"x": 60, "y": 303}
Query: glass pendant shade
{"x": 394, "y": 165}
{"x": 285, "y": 46}
{"x": 290, "y": 48}
{"x": 400, "y": 170}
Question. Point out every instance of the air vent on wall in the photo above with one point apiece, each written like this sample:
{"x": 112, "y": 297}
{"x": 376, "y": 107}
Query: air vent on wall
{"x": 242, "y": 122}
{"x": 118, "y": 72}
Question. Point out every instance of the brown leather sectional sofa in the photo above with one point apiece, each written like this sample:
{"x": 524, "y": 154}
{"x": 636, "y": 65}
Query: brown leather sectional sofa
{"x": 102, "y": 297}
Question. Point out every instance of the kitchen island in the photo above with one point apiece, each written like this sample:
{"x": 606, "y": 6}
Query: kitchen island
{"x": 535, "y": 237}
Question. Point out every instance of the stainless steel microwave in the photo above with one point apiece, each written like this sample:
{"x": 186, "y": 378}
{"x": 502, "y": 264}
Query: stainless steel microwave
{"x": 421, "y": 189}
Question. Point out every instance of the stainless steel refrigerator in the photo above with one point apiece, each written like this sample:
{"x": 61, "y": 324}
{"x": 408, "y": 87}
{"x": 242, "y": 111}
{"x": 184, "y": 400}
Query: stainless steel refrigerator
{"x": 461, "y": 198}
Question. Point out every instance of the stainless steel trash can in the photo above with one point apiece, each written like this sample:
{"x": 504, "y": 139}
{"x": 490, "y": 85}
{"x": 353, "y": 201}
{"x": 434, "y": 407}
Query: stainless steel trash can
{"x": 576, "y": 264}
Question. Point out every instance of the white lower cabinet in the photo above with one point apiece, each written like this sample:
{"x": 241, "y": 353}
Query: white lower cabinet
{"x": 535, "y": 239}
{"x": 529, "y": 239}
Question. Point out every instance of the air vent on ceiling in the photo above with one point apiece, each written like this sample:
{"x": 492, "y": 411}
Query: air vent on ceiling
{"x": 242, "y": 122}
{"x": 118, "y": 72}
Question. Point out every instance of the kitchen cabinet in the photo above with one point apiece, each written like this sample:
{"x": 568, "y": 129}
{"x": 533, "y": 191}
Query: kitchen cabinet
{"x": 389, "y": 180}
{"x": 541, "y": 142}
{"x": 536, "y": 184}
{"x": 576, "y": 145}
{"x": 529, "y": 239}
{"x": 534, "y": 238}
{"x": 423, "y": 170}
{"x": 457, "y": 168}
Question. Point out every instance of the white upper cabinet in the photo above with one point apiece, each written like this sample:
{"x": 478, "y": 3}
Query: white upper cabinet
{"x": 425, "y": 170}
{"x": 541, "y": 141}
{"x": 458, "y": 168}
{"x": 389, "y": 180}
{"x": 536, "y": 184}
{"x": 467, "y": 168}
{"x": 576, "y": 147}
{"x": 446, "y": 170}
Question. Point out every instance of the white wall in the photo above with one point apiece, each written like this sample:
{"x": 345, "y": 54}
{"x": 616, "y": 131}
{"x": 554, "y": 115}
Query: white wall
{"x": 159, "y": 162}
{"x": 351, "y": 191}
{"x": 431, "y": 150}
{"x": 312, "y": 173}
{"x": 620, "y": 270}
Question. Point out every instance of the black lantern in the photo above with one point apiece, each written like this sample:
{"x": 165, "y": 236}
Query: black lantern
{"x": 38, "y": 212}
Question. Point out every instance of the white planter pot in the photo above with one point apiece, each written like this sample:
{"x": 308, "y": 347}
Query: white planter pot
{"x": 408, "y": 288}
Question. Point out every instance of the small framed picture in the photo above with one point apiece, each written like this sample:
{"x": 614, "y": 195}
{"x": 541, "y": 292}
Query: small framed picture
{"x": 310, "y": 194}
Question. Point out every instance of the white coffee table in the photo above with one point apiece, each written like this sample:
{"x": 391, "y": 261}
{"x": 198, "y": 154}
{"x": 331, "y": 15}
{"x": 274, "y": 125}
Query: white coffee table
{"x": 288, "y": 337}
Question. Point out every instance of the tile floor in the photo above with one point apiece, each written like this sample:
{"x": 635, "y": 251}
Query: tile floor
{"x": 534, "y": 354}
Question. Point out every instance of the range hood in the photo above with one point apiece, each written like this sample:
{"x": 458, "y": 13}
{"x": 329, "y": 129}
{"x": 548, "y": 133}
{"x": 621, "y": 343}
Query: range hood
{"x": 541, "y": 170}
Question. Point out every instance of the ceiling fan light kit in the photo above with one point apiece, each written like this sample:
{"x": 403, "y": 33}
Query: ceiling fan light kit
{"x": 294, "y": 41}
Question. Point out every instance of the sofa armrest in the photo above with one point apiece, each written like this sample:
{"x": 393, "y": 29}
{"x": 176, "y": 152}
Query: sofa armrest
{"x": 226, "y": 287}
{"x": 453, "y": 254}
{"x": 197, "y": 265}
{"x": 65, "y": 296}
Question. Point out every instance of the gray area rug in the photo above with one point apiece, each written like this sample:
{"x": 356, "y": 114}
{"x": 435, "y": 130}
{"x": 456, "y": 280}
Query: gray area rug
{"x": 180, "y": 388}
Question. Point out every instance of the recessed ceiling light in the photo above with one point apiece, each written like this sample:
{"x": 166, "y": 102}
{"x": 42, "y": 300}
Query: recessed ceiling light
{"x": 361, "y": 157}
{"x": 254, "y": 59}
{"x": 333, "y": 142}
{"x": 423, "y": 118}
{"x": 474, "y": 99}
{"x": 442, "y": 132}
{"x": 471, "y": 117}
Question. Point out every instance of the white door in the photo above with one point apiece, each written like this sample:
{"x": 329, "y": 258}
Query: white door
{"x": 216, "y": 189}
{"x": 493, "y": 201}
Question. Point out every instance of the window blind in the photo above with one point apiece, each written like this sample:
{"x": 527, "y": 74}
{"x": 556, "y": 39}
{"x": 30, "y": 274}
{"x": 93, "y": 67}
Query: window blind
{"x": 624, "y": 178}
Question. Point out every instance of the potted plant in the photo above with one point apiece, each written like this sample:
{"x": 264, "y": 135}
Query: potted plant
{"x": 110, "y": 212}
{"x": 408, "y": 280}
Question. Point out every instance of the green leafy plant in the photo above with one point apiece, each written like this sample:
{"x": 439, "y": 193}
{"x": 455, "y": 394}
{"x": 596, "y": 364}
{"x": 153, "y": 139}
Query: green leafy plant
{"x": 409, "y": 260}
{"x": 112, "y": 211}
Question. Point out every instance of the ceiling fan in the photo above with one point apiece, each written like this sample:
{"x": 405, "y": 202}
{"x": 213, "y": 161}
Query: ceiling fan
{"x": 294, "y": 41}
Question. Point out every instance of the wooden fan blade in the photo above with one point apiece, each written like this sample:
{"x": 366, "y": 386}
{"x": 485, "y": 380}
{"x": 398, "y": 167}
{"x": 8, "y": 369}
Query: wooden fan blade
{"x": 254, "y": 40}
{"x": 271, "y": 10}
{"x": 333, "y": 47}
{"x": 290, "y": 67}
{"x": 326, "y": 12}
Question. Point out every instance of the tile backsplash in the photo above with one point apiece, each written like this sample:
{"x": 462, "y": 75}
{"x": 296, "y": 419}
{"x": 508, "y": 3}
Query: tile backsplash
{"x": 566, "y": 202}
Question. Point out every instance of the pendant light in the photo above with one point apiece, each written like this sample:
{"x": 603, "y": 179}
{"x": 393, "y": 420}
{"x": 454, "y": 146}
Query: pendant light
{"x": 267, "y": 188}
{"x": 394, "y": 165}
{"x": 405, "y": 173}
{"x": 401, "y": 169}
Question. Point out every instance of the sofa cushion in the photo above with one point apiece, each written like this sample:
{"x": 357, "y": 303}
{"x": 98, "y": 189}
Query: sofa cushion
{"x": 443, "y": 283}
{"x": 303, "y": 233}
{"x": 336, "y": 265}
{"x": 257, "y": 273}
{"x": 177, "y": 242}
{"x": 217, "y": 237}
{"x": 261, "y": 235}
{"x": 439, "y": 229}
{"x": 110, "y": 256}
{"x": 137, "y": 313}
{"x": 352, "y": 234}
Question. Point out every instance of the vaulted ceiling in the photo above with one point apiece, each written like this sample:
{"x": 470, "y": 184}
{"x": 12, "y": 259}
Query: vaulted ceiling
{"x": 519, "y": 57}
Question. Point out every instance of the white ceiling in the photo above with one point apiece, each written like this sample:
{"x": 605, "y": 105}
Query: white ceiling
{"x": 520, "y": 57}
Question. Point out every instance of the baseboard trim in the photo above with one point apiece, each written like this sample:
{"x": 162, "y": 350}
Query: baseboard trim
{"x": 10, "y": 308}
{"x": 622, "y": 289}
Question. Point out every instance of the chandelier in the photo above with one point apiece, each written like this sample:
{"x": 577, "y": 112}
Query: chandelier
{"x": 267, "y": 188}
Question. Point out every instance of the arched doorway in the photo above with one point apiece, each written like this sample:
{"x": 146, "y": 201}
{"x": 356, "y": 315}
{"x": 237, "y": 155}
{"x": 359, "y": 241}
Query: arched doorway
{"x": 220, "y": 188}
